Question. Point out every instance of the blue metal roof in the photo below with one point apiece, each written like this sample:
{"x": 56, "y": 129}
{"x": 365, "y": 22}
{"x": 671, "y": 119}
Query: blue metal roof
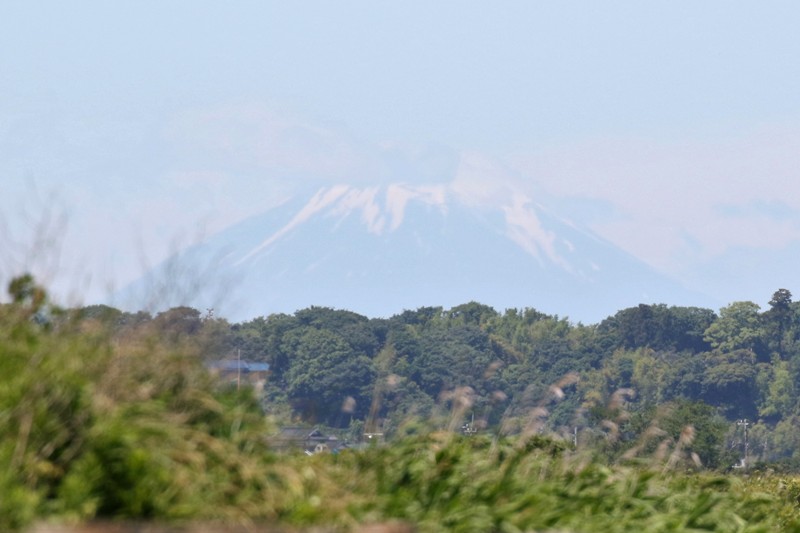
{"x": 236, "y": 366}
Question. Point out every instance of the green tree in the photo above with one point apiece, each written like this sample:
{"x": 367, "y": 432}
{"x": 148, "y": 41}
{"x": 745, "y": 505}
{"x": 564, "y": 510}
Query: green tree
{"x": 472, "y": 314}
{"x": 178, "y": 322}
{"x": 777, "y": 390}
{"x": 784, "y": 441}
{"x": 738, "y": 327}
{"x": 778, "y": 320}
{"x": 649, "y": 375}
{"x": 326, "y": 380}
{"x": 659, "y": 327}
{"x": 706, "y": 437}
{"x": 729, "y": 382}
{"x": 25, "y": 292}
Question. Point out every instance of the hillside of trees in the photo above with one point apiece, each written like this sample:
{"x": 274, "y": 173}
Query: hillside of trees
{"x": 489, "y": 421}
{"x": 679, "y": 365}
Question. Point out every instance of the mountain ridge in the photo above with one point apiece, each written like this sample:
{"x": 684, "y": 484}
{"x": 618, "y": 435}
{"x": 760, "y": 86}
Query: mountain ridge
{"x": 379, "y": 250}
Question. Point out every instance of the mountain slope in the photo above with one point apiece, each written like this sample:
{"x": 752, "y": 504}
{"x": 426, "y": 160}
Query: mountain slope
{"x": 380, "y": 250}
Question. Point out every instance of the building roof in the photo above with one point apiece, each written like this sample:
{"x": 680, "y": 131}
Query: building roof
{"x": 234, "y": 365}
{"x": 298, "y": 432}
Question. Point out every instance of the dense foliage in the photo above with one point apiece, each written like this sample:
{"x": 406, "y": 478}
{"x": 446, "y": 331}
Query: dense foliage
{"x": 739, "y": 365}
{"x": 628, "y": 425}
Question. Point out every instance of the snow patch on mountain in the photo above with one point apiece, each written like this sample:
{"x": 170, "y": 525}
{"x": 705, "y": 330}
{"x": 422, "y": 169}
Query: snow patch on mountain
{"x": 383, "y": 209}
{"x": 321, "y": 200}
{"x": 525, "y": 229}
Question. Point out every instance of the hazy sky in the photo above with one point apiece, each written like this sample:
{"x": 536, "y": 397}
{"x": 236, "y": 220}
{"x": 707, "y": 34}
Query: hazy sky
{"x": 670, "y": 128}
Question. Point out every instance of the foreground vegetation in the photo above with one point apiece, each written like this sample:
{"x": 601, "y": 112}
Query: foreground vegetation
{"x": 115, "y": 416}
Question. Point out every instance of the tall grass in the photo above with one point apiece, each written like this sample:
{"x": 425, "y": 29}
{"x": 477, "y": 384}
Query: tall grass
{"x": 95, "y": 425}
{"x": 445, "y": 482}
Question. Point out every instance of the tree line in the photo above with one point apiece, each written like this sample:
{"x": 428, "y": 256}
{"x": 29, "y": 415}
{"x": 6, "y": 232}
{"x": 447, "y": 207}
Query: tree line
{"x": 606, "y": 384}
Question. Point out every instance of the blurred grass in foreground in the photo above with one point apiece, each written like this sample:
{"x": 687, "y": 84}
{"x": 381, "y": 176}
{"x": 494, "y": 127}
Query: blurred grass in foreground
{"x": 132, "y": 428}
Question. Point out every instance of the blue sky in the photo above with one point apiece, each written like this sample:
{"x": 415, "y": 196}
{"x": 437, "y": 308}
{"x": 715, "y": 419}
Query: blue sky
{"x": 672, "y": 128}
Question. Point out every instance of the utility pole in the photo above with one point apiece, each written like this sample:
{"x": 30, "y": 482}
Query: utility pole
{"x": 744, "y": 423}
{"x": 239, "y": 368}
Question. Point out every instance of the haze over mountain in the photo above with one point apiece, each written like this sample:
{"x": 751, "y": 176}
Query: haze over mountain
{"x": 669, "y": 131}
{"x": 382, "y": 249}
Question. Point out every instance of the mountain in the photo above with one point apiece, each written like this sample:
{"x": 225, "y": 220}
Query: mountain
{"x": 380, "y": 250}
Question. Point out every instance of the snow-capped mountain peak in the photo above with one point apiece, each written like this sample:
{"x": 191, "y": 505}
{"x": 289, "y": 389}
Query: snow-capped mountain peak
{"x": 383, "y": 209}
{"x": 381, "y": 249}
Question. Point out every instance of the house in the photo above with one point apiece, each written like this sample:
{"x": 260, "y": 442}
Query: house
{"x": 238, "y": 370}
{"x": 259, "y": 371}
{"x": 310, "y": 440}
